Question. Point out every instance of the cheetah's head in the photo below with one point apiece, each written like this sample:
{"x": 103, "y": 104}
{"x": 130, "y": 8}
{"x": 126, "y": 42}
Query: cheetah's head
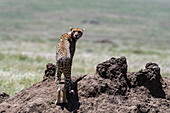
{"x": 76, "y": 33}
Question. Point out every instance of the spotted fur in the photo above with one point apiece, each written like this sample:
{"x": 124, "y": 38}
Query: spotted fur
{"x": 64, "y": 55}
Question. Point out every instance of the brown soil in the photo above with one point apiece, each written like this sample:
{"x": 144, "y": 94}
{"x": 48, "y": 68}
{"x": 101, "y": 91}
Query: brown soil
{"x": 110, "y": 90}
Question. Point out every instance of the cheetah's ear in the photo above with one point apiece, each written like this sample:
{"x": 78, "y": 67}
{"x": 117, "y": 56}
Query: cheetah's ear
{"x": 83, "y": 29}
{"x": 71, "y": 28}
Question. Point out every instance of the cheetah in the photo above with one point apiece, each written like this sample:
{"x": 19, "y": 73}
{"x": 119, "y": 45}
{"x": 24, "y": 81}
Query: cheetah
{"x": 64, "y": 57}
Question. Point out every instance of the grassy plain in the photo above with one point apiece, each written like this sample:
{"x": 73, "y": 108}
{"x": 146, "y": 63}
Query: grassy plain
{"x": 30, "y": 31}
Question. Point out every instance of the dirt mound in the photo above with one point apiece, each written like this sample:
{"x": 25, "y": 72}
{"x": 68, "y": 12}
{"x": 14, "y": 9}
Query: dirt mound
{"x": 150, "y": 78}
{"x": 110, "y": 89}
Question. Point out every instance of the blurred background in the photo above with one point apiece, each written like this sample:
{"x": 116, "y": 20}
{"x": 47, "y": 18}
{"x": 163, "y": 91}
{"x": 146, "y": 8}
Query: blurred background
{"x": 30, "y": 31}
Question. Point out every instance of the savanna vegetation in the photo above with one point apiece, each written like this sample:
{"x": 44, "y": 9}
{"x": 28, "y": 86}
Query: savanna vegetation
{"x": 30, "y": 31}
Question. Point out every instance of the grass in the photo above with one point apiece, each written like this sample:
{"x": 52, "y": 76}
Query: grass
{"x": 30, "y": 31}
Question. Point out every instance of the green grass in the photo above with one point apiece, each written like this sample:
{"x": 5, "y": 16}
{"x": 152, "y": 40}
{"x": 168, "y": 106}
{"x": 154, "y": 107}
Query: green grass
{"x": 30, "y": 31}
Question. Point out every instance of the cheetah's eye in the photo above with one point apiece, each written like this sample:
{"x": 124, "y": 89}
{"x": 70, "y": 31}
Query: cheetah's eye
{"x": 79, "y": 32}
{"x": 73, "y": 31}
